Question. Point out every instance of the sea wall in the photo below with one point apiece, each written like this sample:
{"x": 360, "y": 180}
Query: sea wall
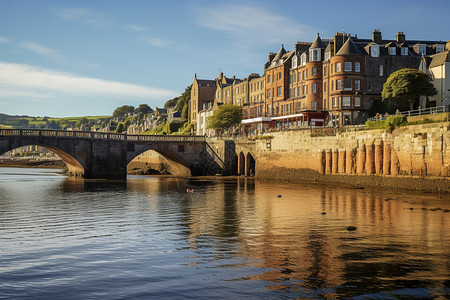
{"x": 408, "y": 157}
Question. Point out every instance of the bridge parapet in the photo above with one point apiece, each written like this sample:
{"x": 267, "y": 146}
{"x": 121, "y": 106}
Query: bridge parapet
{"x": 101, "y": 135}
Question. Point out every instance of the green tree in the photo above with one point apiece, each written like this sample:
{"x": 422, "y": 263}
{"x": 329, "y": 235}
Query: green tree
{"x": 123, "y": 111}
{"x": 171, "y": 103}
{"x": 143, "y": 109}
{"x": 120, "y": 127}
{"x": 225, "y": 117}
{"x": 82, "y": 121}
{"x": 407, "y": 85}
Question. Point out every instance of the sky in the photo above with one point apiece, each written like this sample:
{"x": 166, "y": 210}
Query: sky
{"x": 66, "y": 58}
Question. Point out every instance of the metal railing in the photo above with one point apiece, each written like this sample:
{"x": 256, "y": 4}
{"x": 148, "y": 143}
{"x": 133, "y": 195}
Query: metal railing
{"x": 101, "y": 135}
{"x": 416, "y": 112}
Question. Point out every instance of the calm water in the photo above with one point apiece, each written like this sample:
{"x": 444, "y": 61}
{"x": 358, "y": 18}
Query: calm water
{"x": 148, "y": 238}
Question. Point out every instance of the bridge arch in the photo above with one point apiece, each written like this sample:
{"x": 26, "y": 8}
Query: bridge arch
{"x": 177, "y": 166}
{"x": 75, "y": 167}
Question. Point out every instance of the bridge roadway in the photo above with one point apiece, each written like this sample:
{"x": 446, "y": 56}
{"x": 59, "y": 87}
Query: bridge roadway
{"x": 91, "y": 154}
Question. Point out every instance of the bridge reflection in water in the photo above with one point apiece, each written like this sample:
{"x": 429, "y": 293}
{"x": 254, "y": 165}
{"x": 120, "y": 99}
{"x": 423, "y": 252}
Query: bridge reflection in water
{"x": 106, "y": 155}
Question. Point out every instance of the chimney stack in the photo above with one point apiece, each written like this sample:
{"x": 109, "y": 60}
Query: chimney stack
{"x": 376, "y": 36}
{"x": 400, "y": 37}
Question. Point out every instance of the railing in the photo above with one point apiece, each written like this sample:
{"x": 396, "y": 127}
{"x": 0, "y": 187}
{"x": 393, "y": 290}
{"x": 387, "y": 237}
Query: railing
{"x": 411, "y": 113}
{"x": 101, "y": 135}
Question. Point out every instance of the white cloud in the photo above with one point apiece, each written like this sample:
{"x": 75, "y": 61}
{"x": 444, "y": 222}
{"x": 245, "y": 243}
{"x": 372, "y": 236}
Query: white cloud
{"x": 155, "y": 42}
{"x": 136, "y": 27}
{"x": 3, "y": 40}
{"x": 84, "y": 15}
{"x": 253, "y": 24}
{"x": 42, "y": 50}
{"x": 18, "y": 79}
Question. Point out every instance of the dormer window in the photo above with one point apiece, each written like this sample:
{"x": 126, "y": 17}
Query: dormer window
{"x": 327, "y": 55}
{"x": 404, "y": 51}
{"x": 374, "y": 50}
{"x": 392, "y": 51}
{"x": 303, "y": 59}
{"x": 422, "y": 49}
{"x": 314, "y": 55}
{"x": 440, "y": 48}
{"x": 294, "y": 62}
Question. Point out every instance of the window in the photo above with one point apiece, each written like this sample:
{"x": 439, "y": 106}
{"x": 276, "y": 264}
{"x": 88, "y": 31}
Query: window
{"x": 392, "y": 51}
{"x": 404, "y": 51}
{"x": 268, "y": 78}
{"x": 345, "y": 101}
{"x": 357, "y": 85}
{"x": 369, "y": 86}
{"x": 324, "y": 87}
{"x": 279, "y": 91}
{"x": 294, "y": 79}
{"x": 347, "y": 84}
{"x": 380, "y": 69}
{"x": 228, "y": 93}
{"x": 325, "y": 71}
{"x": 279, "y": 75}
{"x": 327, "y": 55}
{"x": 303, "y": 59}
{"x": 269, "y": 94}
{"x": 422, "y": 49}
{"x": 304, "y": 90}
{"x": 299, "y": 105}
{"x": 347, "y": 66}
{"x": 304, "y": 75}
{"x": 313, "y": 105}
{"x": 294, "y": 62}
{"x": 290, "y": 93}
{"x": 440, "y": 48}
{"x": 314, "y": 71}
{"x": 357, "y": 101}
{"x": 357, "y": 67}
{"x": 299, "y": 76}
{"x": 338, "y": 67}
{"x": 338, "y": 84}
{"x": 313, "y": 88}
{"x": 332, "y": 85}
{"x": 314, "y": 55}
{"x": 335, "y": 102}
{"x": 298, "y": 92}
{"x": 374, "y": 50}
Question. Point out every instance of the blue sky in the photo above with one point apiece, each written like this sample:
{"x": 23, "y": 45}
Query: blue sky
{"x": 77, "y": 58}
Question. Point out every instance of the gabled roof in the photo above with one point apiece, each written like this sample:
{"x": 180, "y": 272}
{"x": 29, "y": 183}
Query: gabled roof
{"x": 280, "y": 54}
{"x": 440, "y": 59}
{"x": 318, "y": 43}
{"x": 349, "y": 48}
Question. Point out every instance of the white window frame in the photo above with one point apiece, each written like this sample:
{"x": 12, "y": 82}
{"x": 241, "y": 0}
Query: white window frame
{"x": 348, "y": 66}
{"x": 303, "y": 59}
{"x": 375, "y": 50}
{"x": 404, "y": 51}
{"x": 392, "y": 51}
{"x": 314, "y": 71}
{"x": 313, "y": 88}
{"x": 294, "y": 61}
{"x": 357, "y": 102}
{"x": 337, "y": 67}
{"x": 422, "y": 49}
{"x": 440, "y": 48}
{"x": 348, "y": 81}
{"x": 327, "y": 55}
{"x": 357, "y": 67}
{"x": 357, "y": 85}
{"x": 338, "y": 85}
{"x": 346, "y": 101}
{"x": 279, "y": 91}
{"x": 313, "y": 105}
{"x": 381, "y": 70}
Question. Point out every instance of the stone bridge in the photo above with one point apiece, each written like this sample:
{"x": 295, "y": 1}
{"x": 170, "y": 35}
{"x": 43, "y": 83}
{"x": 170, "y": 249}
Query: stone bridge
{"x": 106, "y": 155}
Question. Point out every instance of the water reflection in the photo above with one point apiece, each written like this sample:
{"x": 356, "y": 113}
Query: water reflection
{"x": 225, "y": 236}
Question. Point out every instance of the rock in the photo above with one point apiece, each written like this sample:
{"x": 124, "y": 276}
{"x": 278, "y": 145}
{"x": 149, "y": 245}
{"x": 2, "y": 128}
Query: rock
{"x": 351, "y": 228}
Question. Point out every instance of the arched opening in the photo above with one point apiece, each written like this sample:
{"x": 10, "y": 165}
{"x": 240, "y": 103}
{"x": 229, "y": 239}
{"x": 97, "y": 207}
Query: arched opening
{"x": 241, "y": 164}
{"x": 251, "y": 165}
{"x": 40, "y": 155}
{"x": 158, "y": 162}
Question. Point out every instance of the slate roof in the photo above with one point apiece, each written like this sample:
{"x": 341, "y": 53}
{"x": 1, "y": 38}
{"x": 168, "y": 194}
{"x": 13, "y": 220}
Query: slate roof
{"x": 280, "y": 54}
{"x": 349, "y": 48}
{"x": 318, "y": 43}
{"x": 439, "y": 59}
{"x": 206, "y": 82}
